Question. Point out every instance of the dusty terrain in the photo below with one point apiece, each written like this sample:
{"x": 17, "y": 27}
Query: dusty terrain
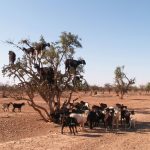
{"x": 26, "y": 130}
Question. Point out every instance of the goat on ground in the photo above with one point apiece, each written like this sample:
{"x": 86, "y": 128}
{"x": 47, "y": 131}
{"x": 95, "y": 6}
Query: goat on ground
{"x": 124, "y": 111}
{"x": 119, "y": 105}
{"x": 96, "y": 116}
{"x": 109, "y": 118}
{"x": 103, "y": 106}
{"x": 17, "y": 105}
{"x": 132, "y": 120}
{"x": 116, "y": 119}
{"x": 5, "y": 106}
{"x": 92, "y": 118}
{"x": 81, "y": 118}
{"x": 70, "y": 122}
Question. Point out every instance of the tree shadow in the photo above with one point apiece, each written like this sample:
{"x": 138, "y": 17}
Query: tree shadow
{"x": 136, "y": 99}
{"x": 145, "y": 110}
{"x": 141, "y": 127}
{"x": 89, "y": 135}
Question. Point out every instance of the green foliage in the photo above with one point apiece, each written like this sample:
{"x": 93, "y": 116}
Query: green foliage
{"x": 122, "y": 82}
{"x": 69, "y": 42}
{"x": 147, "y": 87}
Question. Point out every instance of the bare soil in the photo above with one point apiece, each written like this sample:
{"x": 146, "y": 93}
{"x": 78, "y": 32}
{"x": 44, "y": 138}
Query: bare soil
{"x": 27, "y": 131}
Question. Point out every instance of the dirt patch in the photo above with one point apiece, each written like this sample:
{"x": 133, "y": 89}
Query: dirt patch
{"x": 27, "y": 131}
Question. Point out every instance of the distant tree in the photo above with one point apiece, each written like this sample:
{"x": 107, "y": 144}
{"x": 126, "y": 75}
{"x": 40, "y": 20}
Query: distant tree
{"x": 147, "y": 87}
{"x": 122, "y": 82}
{"x": 4, "y": 89}
{"x": 108, "y": 87}
{"x": 142, "y": 88}
{"x": 134, "y": 89}
{"x": 94, "y": 89}
{"x": 41, "y": 70}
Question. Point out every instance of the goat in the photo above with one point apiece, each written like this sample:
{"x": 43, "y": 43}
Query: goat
{"x": 109, "y": 118}
{"x": 46, "y": 73}
{"x": 123, "y": 112}
{"x": 81, "y": 118}
{"x": 77, "y": 80}
{"x": 92, "y": 118}
{"x": 129, "y": 119}
{"x": 73, "y": 63}
{"x": 12, "y": 57}
{"x": 116, "y": 119}
{"x": 69, "y": 121}
{"x": 103, "y": 106}
{"x": 17, "y": 105}
{"x": 132, "y": 120}
{"x": 5, "y": 106}
{"x": 29, "y": 51}
{"x": 119, "y": 105}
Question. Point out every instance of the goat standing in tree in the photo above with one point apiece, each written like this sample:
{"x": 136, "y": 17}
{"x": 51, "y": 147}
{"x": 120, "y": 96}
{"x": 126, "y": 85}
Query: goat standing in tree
{"x": 73, "y": 63}
{"x": 12, "y": 57}
{"x": 46, "y": 73}
{"x": 29, "y": 50}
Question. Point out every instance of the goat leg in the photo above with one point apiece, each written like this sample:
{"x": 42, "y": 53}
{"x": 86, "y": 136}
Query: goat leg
{"x": 62, "y": 127}
{"x": 73, "y": 130}
{"x": 76, "y": 129}
{"x": 70, "y": 129}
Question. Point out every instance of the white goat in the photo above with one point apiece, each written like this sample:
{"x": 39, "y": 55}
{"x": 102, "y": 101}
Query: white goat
{"x": 81, "y": 118}
{"x": 132, "y": 121}
{"x": 116, "y": 119}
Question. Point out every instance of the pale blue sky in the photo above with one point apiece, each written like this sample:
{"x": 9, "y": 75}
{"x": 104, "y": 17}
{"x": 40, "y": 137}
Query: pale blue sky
{"x": 113, "y": 32}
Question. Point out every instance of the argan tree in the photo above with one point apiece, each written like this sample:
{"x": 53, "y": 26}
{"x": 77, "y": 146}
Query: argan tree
{"x": 41, "y": 70}
{"x": 122, "y": 82}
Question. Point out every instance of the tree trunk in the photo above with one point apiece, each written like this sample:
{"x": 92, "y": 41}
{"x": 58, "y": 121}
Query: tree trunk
{"x": 51, "y": 108}
{"x": 121, "y": 94}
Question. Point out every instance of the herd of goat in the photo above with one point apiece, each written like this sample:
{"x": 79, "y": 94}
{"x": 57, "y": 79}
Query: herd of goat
{"x": 80, "y": 113}
{"x": 6, "y": 106}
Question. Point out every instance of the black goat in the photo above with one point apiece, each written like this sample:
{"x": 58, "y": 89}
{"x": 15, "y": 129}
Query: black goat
{"x": 29, "y": 51}
{"x": 17, "y": 105}
{"x": 124, "y": 111}
{"x": 77, "y": 80}
{"x": 109, "y": 118}
{"x": 119, "y": 105}
{"x": 46, "y": 73}
{"x": 92, "y": 119}
{"x": 12, "y": 57}
{"x": 96, "y": 116}
{"x": 73, "y": 63}
{"x": 70, "y": 122}
{"x": 103, "y": 106}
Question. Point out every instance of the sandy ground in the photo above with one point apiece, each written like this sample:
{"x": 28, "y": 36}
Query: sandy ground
{"x": 26, "y": 130}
